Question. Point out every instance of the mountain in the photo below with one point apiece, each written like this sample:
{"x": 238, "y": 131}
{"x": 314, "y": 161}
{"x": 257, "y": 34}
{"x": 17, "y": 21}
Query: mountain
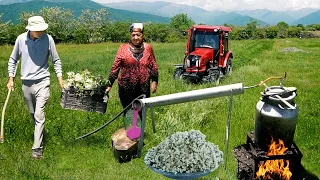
{"x": 6, "y": 2}
{"x": 12, "y": 11}
{"x": 273, "y": 17}
{"x": 234, "y": 18}
{"x": 297, "y": 14}
{"x": 166, "y": 9}
{"x": 269, "y": 16}
{"x": 198, "y": 15}
{"x": 313, "y": 18}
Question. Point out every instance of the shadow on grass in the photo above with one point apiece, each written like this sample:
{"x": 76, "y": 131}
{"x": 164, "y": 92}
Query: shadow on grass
{"x": 305, "y": 175}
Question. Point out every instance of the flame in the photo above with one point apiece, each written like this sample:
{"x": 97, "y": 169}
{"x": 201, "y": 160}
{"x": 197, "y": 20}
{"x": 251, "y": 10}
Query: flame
{"x": 275, "y": 168}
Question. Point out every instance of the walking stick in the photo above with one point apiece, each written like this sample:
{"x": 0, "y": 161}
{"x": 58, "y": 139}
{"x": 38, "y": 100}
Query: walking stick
{"x": 4, "y": 109}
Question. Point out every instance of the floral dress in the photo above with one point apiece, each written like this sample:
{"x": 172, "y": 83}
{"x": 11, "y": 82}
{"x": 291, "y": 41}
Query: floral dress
{"x": 136, "y": 72}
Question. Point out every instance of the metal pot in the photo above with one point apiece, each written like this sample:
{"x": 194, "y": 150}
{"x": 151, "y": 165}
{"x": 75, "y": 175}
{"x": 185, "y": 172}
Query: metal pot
{"x": 276, "y": 116}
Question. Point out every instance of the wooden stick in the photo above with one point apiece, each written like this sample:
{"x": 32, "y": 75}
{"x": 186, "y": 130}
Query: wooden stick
{"x": 4, "y": 108}
{"x": 2, "y": 117}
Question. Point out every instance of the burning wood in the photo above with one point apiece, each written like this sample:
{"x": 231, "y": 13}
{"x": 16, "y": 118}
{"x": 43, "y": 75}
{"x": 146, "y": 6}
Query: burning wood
{"x": 275, "y": 169}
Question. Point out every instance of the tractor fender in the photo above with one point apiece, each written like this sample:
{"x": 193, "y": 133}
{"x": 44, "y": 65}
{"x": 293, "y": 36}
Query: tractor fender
{"x": 228, "y": 55}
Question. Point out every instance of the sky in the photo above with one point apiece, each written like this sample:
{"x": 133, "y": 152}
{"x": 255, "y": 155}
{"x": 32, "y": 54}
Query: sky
{"x": 231, "y": 5}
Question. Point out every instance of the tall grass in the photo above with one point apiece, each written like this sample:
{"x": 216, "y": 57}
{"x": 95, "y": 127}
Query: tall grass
{"x": 92, "y": 158}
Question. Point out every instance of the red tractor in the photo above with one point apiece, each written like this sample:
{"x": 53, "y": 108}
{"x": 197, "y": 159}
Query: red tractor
{"x": 207, "y": 54}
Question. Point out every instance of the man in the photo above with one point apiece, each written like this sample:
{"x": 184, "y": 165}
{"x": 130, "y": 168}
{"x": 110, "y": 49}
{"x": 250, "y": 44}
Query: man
{"x": 34, "y": 47}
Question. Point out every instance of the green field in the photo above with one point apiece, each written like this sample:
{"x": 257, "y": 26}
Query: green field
{"x": 92, "y": 158}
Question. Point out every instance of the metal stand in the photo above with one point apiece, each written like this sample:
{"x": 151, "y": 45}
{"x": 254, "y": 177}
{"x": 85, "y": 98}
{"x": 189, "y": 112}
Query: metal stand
{"x": 220, "y": 91}
{"x": 228, "y": 130}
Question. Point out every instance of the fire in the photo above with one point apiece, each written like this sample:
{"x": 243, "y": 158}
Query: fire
{"x": 275, "y": 168}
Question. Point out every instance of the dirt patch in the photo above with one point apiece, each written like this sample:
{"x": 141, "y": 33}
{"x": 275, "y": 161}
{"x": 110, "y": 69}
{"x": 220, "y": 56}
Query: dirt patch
{"x": 291, "y": 49}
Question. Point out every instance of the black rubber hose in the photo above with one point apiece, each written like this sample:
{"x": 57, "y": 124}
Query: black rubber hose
{"x": 114, "y": 118}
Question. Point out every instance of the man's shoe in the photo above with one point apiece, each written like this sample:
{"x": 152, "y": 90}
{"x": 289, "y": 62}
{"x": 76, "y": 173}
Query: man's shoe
{"x": 37, "y": 153}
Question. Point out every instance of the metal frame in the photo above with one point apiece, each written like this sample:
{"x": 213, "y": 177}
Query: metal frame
{"x": 214, "y": 92}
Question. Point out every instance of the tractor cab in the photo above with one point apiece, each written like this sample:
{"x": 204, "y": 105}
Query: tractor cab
{"x": 207, "y": 56}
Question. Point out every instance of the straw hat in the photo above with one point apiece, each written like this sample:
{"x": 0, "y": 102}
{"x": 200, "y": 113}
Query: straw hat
{"x": 36, "y": 23}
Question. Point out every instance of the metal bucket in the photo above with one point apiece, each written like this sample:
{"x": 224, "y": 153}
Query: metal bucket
{"x": 275, "y": 118}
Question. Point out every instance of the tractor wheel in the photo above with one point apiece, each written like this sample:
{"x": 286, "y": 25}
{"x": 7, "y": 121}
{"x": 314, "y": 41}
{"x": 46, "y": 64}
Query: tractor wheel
{"x": 228, "y": 68}
{"x": 214, "y": 76}
{"x": 178, "y": 73}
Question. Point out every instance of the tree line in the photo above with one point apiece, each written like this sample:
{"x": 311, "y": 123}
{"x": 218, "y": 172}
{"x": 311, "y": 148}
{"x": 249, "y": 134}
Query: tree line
{"x": 97, "y": 26}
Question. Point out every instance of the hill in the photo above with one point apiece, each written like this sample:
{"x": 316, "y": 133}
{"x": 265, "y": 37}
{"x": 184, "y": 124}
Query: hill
{"x": 313, "y": 18}
{"x": 234, "y": 18}
{"x": 11, "y": 12}
{"x": 197, "y": 14}
{"x": 166, "y": 9}
{"x": 269, "y": 16}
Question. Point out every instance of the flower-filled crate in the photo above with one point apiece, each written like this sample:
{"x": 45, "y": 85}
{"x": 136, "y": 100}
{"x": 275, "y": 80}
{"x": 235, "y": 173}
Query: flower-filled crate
{"x": 83, "y": 91}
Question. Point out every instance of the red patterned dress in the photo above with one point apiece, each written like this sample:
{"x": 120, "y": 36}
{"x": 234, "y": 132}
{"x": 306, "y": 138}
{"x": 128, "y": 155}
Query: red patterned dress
{"x": 136, "y": 72}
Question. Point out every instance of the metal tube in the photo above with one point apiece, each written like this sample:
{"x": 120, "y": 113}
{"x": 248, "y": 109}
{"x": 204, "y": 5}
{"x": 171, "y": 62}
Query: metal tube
{"x": 191, "y": 96}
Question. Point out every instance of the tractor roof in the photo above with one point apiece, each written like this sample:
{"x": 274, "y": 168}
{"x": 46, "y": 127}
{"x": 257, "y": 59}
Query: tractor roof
{"x": 207, "y": 27}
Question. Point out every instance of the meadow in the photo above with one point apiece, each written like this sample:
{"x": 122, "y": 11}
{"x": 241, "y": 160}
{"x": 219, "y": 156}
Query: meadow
{"x": 92, "y": 157}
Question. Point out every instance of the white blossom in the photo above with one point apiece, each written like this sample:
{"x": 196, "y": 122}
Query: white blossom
{"x": 85, "y": 81}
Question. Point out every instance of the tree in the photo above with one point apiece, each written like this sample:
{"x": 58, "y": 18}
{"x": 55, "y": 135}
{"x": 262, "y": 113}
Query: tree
{"x": 4, "y": 31}
{"x": 61, "y": 23}
{"x": 119, "y": 32}
{"x": 301, "y": 26}
{"x": 90, "y": 26}
{"x": 251, "y": 28}
{"x": 156, "y": 32}
{"x": 271, "y": 32}
{"x": 282, "y": 29}
{"x": 181, "y": 22}
{"x": 259, "y": 33}
{"x": 294, "y": 32}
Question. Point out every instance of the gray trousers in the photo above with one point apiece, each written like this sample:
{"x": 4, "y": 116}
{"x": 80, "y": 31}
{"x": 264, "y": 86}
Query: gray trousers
{"x": 36, "y": 94}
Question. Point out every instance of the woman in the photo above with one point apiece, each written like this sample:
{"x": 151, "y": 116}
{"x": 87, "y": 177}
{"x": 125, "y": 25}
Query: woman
{"x": 138, "y": 66}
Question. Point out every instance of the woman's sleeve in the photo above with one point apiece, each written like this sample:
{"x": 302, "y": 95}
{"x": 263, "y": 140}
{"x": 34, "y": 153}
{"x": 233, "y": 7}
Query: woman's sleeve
{"x": 153, "y": 67}
{"x": 115, "y": 68}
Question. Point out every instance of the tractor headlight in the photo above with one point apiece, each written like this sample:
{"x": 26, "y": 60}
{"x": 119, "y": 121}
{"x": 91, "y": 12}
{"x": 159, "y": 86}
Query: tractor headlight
{"x": 193, "y": 60}
{"x": 196, "y": 60}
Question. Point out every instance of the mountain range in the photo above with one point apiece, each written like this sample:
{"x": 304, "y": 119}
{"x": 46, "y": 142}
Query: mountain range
{"x": 160, "y": 11}
{"x": 199, "y": 15}
{"x": 11, "y": 12}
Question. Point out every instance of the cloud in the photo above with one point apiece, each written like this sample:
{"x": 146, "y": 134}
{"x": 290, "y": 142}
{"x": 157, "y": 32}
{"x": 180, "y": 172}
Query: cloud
{"x": 231, "y": 5}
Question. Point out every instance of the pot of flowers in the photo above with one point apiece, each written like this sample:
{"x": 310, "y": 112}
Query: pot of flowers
{"x": 83, "y": 91}
{"x": 184, "y": 155}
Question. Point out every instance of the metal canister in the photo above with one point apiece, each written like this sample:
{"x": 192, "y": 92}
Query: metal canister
{"x": 276, "y": 116}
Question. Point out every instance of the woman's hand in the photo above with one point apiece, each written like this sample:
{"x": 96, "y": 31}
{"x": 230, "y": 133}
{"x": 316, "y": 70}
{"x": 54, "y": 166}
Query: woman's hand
{"x": 108, "y": 89}
{"x": 154, "y": 87}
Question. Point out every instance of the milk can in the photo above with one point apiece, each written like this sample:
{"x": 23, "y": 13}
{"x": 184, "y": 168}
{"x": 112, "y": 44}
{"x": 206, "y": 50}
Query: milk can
{"x": 276, "y": 116}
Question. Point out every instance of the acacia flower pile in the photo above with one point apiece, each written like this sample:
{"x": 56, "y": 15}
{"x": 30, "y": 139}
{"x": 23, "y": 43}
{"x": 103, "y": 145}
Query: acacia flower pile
{"x": 84, "y": 80}
{"x": 185, "y": 152}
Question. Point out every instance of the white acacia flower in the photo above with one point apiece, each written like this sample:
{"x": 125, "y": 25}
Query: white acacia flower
{"x": 70, "y": 74}
{"x": 84, "y": 80}
{"x": 78, "y": 77}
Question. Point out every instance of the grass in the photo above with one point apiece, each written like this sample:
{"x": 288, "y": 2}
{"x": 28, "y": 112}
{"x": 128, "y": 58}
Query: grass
{"x": 92, "y": 158}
